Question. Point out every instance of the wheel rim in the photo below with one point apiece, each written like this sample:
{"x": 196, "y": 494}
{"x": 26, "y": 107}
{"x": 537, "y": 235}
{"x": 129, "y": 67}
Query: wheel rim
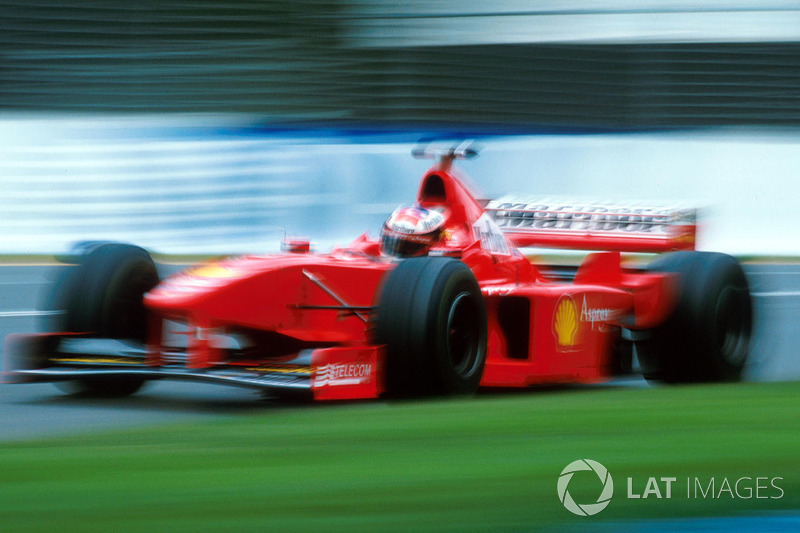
{"x": 732, "y": 325}
{"x": 463, "y": 335}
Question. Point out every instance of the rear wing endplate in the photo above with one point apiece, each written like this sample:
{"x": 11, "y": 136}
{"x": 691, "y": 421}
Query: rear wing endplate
{"x": 547, "y": 222}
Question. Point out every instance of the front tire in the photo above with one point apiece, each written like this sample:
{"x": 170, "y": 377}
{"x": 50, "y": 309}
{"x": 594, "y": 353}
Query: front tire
{"x": 103, "y": 296}
{"x": 432, "y": 318}
{"x": 707, "y": 336}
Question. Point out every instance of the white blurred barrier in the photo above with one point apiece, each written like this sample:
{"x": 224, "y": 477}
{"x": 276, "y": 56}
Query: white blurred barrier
{"x": 384, "y": 23}
{"x": 203, "y": 184}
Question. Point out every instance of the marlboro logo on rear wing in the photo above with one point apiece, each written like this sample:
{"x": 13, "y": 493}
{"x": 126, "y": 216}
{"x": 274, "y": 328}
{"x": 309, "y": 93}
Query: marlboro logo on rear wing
{"x": 548, "y": 222}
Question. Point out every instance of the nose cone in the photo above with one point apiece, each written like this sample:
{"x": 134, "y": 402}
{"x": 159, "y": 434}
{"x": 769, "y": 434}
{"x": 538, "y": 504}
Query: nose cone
{"x": 191, "y": 286}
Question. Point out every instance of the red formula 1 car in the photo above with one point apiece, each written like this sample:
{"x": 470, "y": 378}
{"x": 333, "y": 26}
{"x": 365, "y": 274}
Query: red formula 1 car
{"x": 442, "y": 303}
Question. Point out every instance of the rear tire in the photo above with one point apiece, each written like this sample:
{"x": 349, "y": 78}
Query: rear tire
{"x": 103, "y": 297}
{"x": 707, "y": 336}
{"x": 432, "y": 318}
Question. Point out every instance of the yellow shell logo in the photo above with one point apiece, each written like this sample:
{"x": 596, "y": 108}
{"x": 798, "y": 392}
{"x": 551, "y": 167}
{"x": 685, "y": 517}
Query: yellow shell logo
{"x": 565, "y": 322}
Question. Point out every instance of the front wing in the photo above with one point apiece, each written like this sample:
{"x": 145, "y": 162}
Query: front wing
{"x": 334, "y": 373}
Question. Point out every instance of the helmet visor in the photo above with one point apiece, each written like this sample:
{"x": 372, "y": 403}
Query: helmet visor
{"x": 401, "y": 245}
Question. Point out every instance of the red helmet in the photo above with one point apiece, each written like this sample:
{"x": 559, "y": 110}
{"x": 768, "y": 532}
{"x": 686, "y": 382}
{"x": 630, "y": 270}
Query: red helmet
{"x": 411, "y": 231}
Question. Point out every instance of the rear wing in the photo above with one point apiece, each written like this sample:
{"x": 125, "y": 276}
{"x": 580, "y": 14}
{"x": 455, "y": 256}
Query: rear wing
{"x": 548, "y": 222}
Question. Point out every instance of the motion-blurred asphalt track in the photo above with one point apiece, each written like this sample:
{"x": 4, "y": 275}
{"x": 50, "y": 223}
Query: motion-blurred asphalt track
{"x": 41, "y": 409}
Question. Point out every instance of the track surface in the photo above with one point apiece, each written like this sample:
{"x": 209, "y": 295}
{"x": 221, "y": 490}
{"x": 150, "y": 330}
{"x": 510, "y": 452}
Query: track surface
{"x": 41, "y": 409}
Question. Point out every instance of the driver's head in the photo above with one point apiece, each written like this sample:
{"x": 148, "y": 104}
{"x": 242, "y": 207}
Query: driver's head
{"x": 411, "y": 231}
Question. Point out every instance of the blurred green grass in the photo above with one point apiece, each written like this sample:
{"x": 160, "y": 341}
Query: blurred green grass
{"x": 487, "y": 463}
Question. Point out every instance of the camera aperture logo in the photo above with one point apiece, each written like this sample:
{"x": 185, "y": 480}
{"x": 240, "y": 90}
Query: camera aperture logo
{"x": 585, "y": 509}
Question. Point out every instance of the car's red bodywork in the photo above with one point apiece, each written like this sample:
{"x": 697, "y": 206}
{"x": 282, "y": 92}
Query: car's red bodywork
{"x": 305, "y": 320}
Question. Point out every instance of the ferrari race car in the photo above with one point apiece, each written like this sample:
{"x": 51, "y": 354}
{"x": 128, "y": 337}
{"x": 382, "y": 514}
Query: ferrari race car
{"x": 442, "y": 303}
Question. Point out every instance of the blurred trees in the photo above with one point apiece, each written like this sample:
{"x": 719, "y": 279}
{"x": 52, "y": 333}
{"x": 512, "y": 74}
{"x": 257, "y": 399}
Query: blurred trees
{"x": 296, "y": 62}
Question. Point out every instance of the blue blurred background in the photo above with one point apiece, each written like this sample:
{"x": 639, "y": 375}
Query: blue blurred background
{"x": 213, "y": 127}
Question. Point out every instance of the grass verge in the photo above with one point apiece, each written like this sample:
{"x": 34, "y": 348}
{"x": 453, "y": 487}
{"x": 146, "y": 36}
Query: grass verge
{"x": 488, "y": 463}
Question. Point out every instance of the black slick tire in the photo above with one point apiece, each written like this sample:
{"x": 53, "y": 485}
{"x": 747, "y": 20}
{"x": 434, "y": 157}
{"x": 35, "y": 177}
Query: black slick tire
{"x": 432, "y": 318}
{"x": 707, "y": 336}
